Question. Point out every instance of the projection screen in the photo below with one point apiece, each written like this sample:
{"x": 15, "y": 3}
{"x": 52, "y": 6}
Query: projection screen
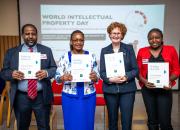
{"x": 55, "y": 23}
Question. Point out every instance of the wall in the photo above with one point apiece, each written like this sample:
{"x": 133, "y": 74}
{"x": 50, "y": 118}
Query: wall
{"x": 8, "y": 17}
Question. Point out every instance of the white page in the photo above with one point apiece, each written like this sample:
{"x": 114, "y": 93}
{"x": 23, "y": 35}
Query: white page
{"x": 29, "y": 64}
{"x": 114, "y": 64}
{"x": 80, "y": 67}
{"x": 158, "y": 73}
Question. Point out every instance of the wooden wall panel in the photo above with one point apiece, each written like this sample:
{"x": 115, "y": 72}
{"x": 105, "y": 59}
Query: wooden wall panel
{"x": 7, "y": 42}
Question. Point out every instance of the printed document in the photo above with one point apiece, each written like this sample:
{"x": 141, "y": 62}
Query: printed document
{"x": 29, "y": 64}
{"x": 114, "y": 64}
{"x": 80, "y": 67}
{"x": 158, "y": 73}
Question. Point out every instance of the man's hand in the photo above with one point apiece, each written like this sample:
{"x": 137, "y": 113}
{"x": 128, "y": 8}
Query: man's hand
{"x": 17, "y": 75}
{"x": 41, "y": 74}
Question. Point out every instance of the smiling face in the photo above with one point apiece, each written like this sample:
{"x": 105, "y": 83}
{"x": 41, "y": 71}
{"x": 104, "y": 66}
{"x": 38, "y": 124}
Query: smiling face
{"x": 29, "y": 36}
{"x": 77, "y": 42}
{"x": 155, "y": 39}
{"x": 116, "y": 35}
{"x": 116, "y": 32}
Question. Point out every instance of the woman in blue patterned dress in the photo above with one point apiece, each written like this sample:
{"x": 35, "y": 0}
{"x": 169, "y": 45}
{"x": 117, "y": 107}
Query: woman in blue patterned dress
{"x": 78, "y": 98}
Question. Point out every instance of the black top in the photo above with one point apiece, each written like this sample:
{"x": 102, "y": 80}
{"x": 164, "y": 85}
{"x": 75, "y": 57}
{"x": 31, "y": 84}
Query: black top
{"x": 156, "y": 59}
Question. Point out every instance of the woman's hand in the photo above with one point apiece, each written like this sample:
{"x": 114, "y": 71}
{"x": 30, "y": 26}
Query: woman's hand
{"x": 149, "y": 84}
{"x": 168, "y": 87}
{"x": 172, "y": 78}
{"x": 93, "y": 76}
{"x": 66, "y": 77}
{"x": 119, "y": 79}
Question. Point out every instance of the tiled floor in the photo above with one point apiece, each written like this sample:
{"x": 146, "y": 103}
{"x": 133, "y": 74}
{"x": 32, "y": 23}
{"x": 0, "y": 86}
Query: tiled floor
{"x": 139, "y": 117}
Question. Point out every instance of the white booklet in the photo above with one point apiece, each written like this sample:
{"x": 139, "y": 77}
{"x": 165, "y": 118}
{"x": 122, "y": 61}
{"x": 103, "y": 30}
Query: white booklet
{"x": 114, "y": 64}
{"x": 158, "y": 73}
{"x": 80, "y": 67}
{"x": 29, "y": 64}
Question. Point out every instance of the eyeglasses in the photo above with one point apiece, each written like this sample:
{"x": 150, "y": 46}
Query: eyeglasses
{"x": 77, "y": 40}
{"x": 116, "y": 34}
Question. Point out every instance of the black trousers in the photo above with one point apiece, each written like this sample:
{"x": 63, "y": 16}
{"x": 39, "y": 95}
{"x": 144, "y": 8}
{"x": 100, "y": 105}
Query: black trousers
{"x": 158, "y": 103}
{"x": 23, "y": 108}
{"x": 124, "y": 102}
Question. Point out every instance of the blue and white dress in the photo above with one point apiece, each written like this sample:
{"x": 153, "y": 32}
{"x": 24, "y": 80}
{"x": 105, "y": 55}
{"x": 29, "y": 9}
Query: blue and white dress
{"x": 78, "y": 98}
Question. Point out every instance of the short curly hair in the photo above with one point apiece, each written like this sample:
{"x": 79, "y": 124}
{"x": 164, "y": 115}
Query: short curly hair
{"x": 121, "y": 26}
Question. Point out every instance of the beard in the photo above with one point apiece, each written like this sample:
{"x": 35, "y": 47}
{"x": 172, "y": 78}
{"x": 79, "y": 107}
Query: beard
{"x": 30, "y": 44}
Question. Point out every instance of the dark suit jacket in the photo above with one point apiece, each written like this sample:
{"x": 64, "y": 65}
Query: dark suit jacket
{"x": 131, "y": 70}
{"x": 11, "y": 63}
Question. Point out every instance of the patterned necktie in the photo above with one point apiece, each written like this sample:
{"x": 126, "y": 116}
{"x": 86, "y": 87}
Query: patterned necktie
{"x": 32, "y": 85}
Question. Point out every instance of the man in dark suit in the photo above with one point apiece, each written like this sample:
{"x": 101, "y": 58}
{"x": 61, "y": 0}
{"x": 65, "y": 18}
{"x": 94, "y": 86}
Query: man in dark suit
{"x": 20, "y": 98}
